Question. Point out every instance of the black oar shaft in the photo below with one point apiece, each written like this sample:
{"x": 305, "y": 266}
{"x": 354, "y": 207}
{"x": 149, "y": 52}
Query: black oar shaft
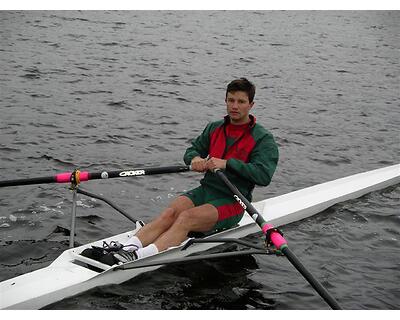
{"x": 329, "y": 299}
{"x": 246, "y": 204}
{"x": 85, "y": 176}
{"x": 137, "y": 172}
{"x": 27, "y": 181}
{"x": 257, "y": 217}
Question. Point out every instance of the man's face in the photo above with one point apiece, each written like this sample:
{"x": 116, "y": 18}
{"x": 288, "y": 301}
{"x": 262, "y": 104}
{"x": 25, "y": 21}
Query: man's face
{"x": 238, "y": 107}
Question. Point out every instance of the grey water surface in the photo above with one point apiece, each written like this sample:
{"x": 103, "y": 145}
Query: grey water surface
{"x": 113, "y": 90}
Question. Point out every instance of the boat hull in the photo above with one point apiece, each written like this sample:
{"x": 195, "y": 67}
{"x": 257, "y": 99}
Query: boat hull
{"x": 68, "y": 275}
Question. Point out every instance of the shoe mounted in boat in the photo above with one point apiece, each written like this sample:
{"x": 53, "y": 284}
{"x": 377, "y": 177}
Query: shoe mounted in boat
{"x": 98, "y": 254}
{"x": 111, "y": 253}
{"x": 124, "y": 256}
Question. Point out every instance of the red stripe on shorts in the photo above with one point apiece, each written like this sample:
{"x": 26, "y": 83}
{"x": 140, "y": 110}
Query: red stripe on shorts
{"x": 229, "y": 210}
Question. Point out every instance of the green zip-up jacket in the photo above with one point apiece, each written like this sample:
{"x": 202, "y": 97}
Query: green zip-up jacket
{"x": 251, "y": 159}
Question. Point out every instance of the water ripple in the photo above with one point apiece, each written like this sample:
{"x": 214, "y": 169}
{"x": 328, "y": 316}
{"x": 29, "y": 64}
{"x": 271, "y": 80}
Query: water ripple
{"x": 124, "y": 89}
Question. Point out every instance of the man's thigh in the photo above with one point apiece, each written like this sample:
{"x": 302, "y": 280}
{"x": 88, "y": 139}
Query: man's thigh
{"x": 201, "y": 218}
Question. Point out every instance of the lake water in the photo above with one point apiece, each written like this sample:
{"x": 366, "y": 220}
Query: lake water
{"x": 124, "y": 89}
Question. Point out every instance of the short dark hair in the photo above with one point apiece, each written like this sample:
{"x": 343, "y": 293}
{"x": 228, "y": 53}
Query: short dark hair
{"x": 242, "y": 84}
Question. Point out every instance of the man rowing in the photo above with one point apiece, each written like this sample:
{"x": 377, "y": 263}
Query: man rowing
{"x": 236, "y": 144}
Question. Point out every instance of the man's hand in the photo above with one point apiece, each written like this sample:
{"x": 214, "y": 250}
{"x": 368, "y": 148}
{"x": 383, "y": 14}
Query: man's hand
{"x": 215, "y": 163}
{"x": 198, "y": 164}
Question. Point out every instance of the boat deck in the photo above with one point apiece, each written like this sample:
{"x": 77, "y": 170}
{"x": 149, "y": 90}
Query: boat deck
{"x": 67, "y": 275}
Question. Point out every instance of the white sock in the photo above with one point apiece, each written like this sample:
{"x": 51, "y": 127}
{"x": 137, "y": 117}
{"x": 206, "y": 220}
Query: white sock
{"x": 133, "y": 244}
{"x": 148, "y": 251}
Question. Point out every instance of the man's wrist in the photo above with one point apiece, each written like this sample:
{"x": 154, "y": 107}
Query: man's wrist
{"x": 195, "y": 157}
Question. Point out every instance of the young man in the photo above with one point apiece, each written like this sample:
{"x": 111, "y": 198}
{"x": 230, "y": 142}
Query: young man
{"x": 238, "y": 145}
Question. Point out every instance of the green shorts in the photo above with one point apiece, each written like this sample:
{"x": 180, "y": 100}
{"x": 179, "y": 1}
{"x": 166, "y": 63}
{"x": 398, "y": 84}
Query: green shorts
{"x": 230, "y": 212}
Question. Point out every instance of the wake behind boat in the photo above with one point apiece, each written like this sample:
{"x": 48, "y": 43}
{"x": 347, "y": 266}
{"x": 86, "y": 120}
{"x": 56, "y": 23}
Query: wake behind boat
{"x": 71, "y": 273}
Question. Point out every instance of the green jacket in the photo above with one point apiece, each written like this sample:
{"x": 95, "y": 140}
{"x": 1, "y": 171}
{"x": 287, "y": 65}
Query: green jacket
{"x": 252, "y": 158}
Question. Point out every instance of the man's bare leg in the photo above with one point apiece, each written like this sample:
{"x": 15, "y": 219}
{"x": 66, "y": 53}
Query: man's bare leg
{"x": 151, "y": 231}
{"x": 200, "y": 219}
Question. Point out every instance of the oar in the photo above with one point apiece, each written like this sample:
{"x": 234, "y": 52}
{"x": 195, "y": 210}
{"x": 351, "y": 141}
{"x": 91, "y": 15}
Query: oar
{"x": 279, "y": 241}
{"x": 79, "y": 176}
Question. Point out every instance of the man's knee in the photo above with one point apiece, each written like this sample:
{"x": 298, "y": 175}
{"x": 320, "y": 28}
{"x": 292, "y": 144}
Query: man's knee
{"x": 185, "y": 219}
{"x": 168, "y": 215}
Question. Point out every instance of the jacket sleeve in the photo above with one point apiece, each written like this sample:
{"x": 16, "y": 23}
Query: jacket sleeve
{"x": 262, "y": 163}
{"x": 199, "y": 147}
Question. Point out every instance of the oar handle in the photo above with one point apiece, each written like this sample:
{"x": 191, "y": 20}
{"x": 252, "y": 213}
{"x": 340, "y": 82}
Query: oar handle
{"x": 81, "y": 176}
{"x": 278, "y": 240}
